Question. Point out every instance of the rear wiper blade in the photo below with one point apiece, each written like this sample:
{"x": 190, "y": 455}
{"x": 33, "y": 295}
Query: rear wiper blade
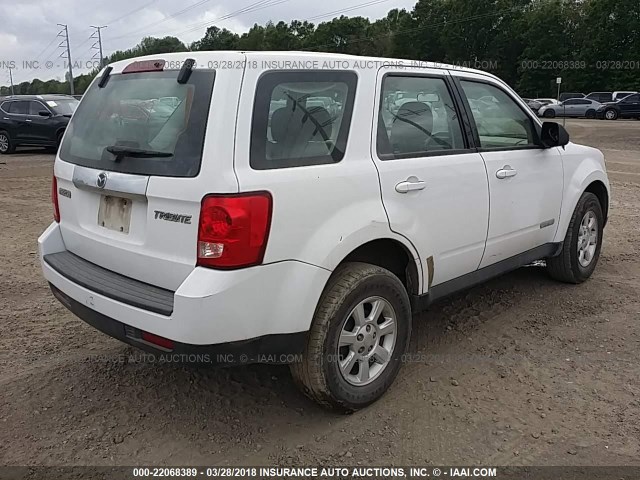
{"x": 120, "y": 152}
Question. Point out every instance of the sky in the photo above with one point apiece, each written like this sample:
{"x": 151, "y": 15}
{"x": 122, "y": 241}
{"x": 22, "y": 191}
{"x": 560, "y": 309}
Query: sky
{"x": 29, "y": 30}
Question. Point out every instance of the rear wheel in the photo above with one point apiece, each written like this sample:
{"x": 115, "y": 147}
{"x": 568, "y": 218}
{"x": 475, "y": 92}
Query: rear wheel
{"x": 582, "y": 243}
{"x": 611, "y": 114}
{"x": 359, "y": 333}
{"x": 6, "y": 145}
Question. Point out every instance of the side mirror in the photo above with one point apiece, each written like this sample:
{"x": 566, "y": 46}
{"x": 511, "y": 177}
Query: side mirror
{"x": 44, "y": 113}
{"x": 553, "y": 135}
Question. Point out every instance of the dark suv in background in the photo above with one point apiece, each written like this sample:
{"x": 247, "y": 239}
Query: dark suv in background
{"x": 34, "y": 120}
{"x": 628, "y": 107}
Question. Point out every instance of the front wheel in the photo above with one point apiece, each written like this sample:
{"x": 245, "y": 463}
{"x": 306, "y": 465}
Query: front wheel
{"x": 591, "y": 114}
{"x": 549, "y": 114}
{"x": 611, "y": 114}
{"x": 359, "y": 333}
{"x": 582, "y": 243}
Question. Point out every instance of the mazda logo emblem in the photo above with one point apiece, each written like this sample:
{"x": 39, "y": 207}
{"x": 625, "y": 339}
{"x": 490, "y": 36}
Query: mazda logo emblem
{"x": 102, "y": 180}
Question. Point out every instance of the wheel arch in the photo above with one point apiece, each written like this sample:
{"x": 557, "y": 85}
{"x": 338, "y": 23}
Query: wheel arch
{"x": 60, "y": 132}
{"x": 595, "y": 182}
{"x": 393, "y": 255}
{"x": 599, "y": 189}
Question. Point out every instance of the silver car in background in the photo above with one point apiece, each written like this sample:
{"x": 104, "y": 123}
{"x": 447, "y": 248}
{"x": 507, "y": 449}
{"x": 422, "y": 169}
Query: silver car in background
{"x": 547, "y": 101}
{"x": 574, "y": 107}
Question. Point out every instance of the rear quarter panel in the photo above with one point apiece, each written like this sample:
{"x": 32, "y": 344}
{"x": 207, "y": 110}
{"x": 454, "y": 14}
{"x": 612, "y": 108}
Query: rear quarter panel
{"x": 321, "y": 213}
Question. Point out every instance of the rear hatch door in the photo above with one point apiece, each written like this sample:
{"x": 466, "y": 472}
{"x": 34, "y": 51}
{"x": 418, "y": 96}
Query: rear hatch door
{"x": 138, "y": 157}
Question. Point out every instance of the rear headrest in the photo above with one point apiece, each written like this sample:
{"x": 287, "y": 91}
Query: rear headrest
{"x": 417, "y": 112}
{"x": 279, "y": 123}
{"x": 411, "y": 128}
{"x": 297, "y": 127}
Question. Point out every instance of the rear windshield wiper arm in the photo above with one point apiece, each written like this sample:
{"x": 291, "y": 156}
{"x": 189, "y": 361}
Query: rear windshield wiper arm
{"x": 121, "y": 152}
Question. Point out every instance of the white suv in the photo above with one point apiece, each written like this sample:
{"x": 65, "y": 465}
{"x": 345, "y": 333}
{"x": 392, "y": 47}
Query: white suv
{"x": 245, "y": 221}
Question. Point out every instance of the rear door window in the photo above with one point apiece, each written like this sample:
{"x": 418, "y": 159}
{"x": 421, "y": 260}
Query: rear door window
{"x": 142, "y": 123}
{"x": 301, "y": 118}
{"x": 417, "y": 117}
{"x": 19, "y": 108}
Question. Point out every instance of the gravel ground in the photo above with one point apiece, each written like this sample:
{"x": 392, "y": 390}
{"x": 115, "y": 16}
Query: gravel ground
{"x": 519, "y": 371}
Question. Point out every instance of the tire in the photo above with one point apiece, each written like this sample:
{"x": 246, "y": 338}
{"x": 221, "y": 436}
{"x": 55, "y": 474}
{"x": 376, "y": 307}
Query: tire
{"x": 570, "y": 266}
{"x": 6, "y": 145}
{"x": 590, "y": 114}
{"x": 549, "y": 114}
{"x": 611, "y": 114}
{"x": 318, "y": 374}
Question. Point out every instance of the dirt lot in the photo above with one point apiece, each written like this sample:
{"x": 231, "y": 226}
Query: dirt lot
{"x": 545, "y": 373}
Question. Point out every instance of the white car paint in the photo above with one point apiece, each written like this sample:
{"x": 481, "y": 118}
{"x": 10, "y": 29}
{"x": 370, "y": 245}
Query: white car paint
{"x": 463, "y": 220}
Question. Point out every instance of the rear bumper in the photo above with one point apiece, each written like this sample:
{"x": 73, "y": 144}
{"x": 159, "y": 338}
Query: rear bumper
{"x": 210, "y": 308}
{"x": 272, "y": 349}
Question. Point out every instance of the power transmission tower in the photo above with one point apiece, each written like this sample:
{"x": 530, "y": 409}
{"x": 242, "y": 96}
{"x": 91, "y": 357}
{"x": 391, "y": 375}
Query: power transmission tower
{"x": 11, "y": 81}
{"x": 98, "y": 35}
{"x": 62, "y": 44}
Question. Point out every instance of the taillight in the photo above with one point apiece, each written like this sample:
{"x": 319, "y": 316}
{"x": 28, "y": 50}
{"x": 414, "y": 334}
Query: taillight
{"x": 233, "y": 230}
{"x": 54, "y": 199}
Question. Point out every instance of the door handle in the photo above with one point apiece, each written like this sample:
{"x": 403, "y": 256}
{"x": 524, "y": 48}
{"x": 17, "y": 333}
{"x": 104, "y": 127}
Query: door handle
{"x": 410, "y": 184}
{"x": 506, "y": 172}
{"x": 28, "y": 120}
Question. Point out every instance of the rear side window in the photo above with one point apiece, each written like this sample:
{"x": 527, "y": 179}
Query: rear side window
{"x": 417, "y": 117}
{"x": 301, "y": 118}
{"x": 155, "y": 125}
{"x": 500, "y": 121}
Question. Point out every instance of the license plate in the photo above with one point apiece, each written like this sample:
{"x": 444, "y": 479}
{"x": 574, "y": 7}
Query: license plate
{"x": 115, "y": 213}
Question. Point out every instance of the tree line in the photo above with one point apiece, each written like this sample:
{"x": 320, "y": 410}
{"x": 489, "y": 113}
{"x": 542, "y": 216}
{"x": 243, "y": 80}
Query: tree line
{"x": 594, "y": 45}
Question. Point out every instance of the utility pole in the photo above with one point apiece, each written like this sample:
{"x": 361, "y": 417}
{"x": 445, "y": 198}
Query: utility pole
{"x": 99, "y": 42}
{"x": 66, "y": 36}
{"x": 11, "y": 81}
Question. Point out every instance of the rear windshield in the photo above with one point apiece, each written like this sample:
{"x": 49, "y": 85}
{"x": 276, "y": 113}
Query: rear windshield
{"x": 155, "y": 125}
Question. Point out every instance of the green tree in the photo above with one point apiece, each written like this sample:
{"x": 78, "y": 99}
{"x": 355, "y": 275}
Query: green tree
{"x": 344, "y": 35}
{"x": 216, "y": 39}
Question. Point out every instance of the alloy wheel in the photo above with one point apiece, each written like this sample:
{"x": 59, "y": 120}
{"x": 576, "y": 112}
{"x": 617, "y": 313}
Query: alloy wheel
{"x": 4, "y": 143}
{"x": 587, "y": 238}
{"x": 367, "y": 341}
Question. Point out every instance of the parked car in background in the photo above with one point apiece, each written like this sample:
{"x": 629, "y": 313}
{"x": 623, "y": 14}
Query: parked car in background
{"x": 533, "y": 104}
{"x": 628, "y": 107}
{"x": 34, "y": 120}
{"x": 574, "y": 107}
{"x": 600, "y": 97}
{"x": 547, "y": 101}
{"x": 310, "y": 239}
{"x": 567, "y": 95}
{"x": 621, "y": 94}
